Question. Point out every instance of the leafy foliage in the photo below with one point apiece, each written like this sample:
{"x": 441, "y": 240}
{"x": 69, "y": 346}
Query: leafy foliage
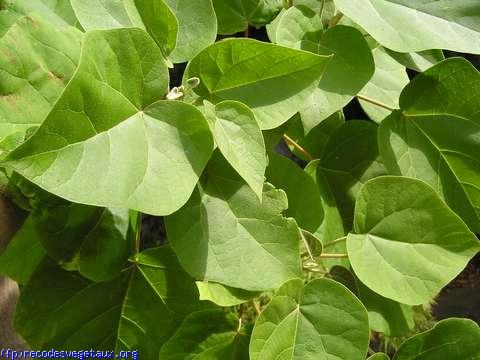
{"x": 294, "y": 230}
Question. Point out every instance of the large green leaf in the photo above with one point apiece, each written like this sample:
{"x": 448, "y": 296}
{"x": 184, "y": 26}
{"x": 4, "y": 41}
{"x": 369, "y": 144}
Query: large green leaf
{"x": 197, "y": 27}
{"x": 236, "y": 15}
{"x": 57, "y": 12}
{"x": 407, "y": 243}
{"x": 207, "y": 335}
{"x": 153, "y": 16}
{"x": 436, "y": 136}
{"x": 36, "y": 62}
{"x": 320, "y": 320}
{"x": 108, "y": 142}
{"x": 415, "y": 25}
{"x": 346, "y": 74}
{"x": 225, "y": 235}
{"x": 385, "y": 86}
{"x": 239, "y": 138}
{"x": 349, "y": 160}
{"x": 139, "y": 310}
{"x": 304, "y": 199}
{"x": 246, "y": 70}
{"x": 452, "y": 339}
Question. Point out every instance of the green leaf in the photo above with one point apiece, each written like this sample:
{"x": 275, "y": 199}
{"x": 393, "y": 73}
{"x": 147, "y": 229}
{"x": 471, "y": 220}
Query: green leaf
{"x": 385, "y": 86}
{"x": 197, "y": 27}
{"x": 453, "y": 339}
{"x": 205, "y": 335}
{"x": 349, "y": 160}
{"x": 346, "y": 74}
{"x": 418, "y": 61}
{"x": 24, "y": 245}
{"x": 315, "y": 141}
{"x": 435, "y": 137}
{"x": 304, "y": 199}
{"x": 412, "y": 25}
{"x": 139, "y": 310}
{"x": 108, "y": 142}
{"x": 36, "y": 61}
{"x": 245, "y": 70}
{"x": 58, "y": 12}
{"x": 319, "y": 320}
{"x": 384, "y": 315}
{"x": 223, "y": 295}
{"x": 225, "y": 235}
{"x": 153, "y": 16}
{"x": 95, "y": 241}
{"x": 407, "y": 243}
{"x": 235, "y": 15}
{"x": 379, "y": 356}
{"x": 239, "y": 138}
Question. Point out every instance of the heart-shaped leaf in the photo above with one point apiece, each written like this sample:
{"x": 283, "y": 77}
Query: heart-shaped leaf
{"x": 244, "y": 70}
{"x": 407, "y": 243}
{"x": 453, "y": 339}
{"x": 139, "y": 310}
{"x": 108, "y": 142}
{"x": 224, "y": 234}
{"x": 319, "y": 320}
{"x": 208, "y": 334}
{"x": 412, "y": 25}
{"x": 436, "y": 136}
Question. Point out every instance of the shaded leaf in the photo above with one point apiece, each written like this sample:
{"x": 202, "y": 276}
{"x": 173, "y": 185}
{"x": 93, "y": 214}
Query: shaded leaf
{"x": 418, "y": 61}
{"x": 407, "y": 243}
{"x": 318, "y": 320}
{"x": 225, "y": 235}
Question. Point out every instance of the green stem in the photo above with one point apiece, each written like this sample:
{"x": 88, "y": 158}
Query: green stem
{"x": 322, "y": 7}
{"x": 138, "y": 232}
{"x": 292, "y": 142}
{"x": 375, "y": 102}
{"x": 334, "y": 256}
{"x": 336, "y": 241}
{"x": 334, "y": 20}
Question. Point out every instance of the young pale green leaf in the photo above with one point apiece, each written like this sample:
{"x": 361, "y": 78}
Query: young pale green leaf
{"x": 315, "y": 141}
{"x": 36, "y": 60}
{"x": 223, "y": 295}
{"x": 322, "y": 319}
{"x": 384, "y": 315}
{"x": 108, "y": 142}
{"x": 207, "y": 335}
{"x": 304, "y": 199}
{"x": 236, "y": 15}
{"x": 25, "y": 246}
{"x": 346, "y": 74}
{"x": 412, "y": 25}
{"x": 246, "y": 70}
{"x": 197, "y": 27}
{"x": 418, "y": 61}
{"x": 436, "y": 136}
{"x": 379, "y": 356}
{"x": 452, "y": 339}
{"x": 139, "y": 310}
{"x": 95, "y": 241}
{"x": 58, "y": 12}
{"x": 240, "y": 140}
{"x": 349, "y": 160}
{"x": 385, "y": 86}
{"x": 407, "y": 243}
{"x": 153, "y": 16}
{"x": 225, "y": 235}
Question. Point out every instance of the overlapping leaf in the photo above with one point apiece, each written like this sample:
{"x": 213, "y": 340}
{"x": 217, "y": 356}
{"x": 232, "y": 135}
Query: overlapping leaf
{"x": 139, "y": 310}
{"x": 225, "y": 235}
{"x": 223, "y": 295}
{"x": 246, "y": 70}
{"x": 413, "y": 25}
{"x": 319, "y": 320}
{"x": 108, "y": 141}
{"x": 435, "y": 137}
{"x": 407, "y": 243}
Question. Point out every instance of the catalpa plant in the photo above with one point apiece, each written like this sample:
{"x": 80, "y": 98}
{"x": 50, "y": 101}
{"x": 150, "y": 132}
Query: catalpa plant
{"x": 263, "y": 259}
